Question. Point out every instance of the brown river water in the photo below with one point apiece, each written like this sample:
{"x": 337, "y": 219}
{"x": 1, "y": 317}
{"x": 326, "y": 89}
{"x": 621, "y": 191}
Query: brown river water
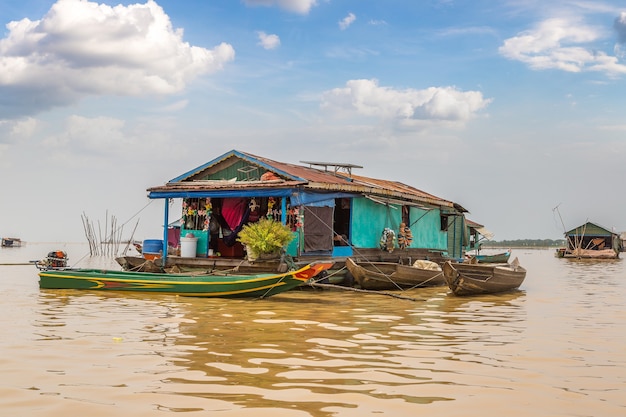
{"x": 557, "y": 347}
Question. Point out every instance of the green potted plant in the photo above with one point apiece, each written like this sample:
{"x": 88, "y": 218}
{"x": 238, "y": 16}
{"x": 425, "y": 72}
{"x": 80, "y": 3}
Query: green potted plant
{"x": 264, "y": 239}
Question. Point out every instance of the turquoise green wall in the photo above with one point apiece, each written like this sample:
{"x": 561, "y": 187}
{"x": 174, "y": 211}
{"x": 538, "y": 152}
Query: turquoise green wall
{"x": 370, "y": 218}
{"x": 293, "y": 248}
{"x": 368, "y": 221}
{"x": 458, "y": 235}
{"x": 427, "y": 231}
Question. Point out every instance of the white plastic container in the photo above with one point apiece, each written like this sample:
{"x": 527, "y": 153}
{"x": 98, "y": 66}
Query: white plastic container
{"x": 188, "y": 247}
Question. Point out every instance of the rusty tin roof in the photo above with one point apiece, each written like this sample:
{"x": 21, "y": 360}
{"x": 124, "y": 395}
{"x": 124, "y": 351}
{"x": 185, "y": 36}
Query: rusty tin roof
{"x": 303, "y": 177}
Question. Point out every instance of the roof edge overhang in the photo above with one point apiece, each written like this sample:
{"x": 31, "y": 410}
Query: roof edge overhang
{"x": 223, "y": 193}
{"x": 365, "y": 190}
{"x": 213, "y": 188}
{"x": 583, "y": 227}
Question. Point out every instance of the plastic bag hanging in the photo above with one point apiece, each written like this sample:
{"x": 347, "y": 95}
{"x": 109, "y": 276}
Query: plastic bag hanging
{"x": 388, "y": 240}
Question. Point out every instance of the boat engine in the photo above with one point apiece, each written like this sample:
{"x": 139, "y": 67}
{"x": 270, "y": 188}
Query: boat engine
{"x": 55, "y": 260}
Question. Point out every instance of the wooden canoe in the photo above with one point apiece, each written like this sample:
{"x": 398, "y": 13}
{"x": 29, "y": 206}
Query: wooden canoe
{"x": 499, "y": 258}
{"x": 198, "y": 285}
{"x": 393, "y": 276}
{"x": 469, "y": 279}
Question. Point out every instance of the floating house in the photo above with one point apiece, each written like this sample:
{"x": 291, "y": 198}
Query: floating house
{"x": 11, "y": 242}
{"x": 591, "y": 241}
{"x": 331, "y": 211}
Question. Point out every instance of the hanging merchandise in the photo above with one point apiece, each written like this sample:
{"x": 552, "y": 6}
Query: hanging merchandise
{"x": 405, "y": 236}
{"x": 254, "y": 211}
{"x": 273, "y": 209}
{"x": 294, "y": 218}
{"x": 270, "y": 208}
{"x": 208, "y": 209}
{"x": 196, "y": 213}
{"x": 388, "y": 240}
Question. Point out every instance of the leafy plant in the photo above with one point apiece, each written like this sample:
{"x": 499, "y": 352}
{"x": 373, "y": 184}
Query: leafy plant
{"x": 264, "y": 237}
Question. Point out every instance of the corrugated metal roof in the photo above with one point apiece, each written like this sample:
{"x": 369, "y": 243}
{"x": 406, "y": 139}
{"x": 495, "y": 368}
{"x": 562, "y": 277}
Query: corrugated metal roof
{"x": 590, "y": 229}
{"x": 302, "y": 176}
{"x": 299, "y": 171}
{"x": 472, "y": 223}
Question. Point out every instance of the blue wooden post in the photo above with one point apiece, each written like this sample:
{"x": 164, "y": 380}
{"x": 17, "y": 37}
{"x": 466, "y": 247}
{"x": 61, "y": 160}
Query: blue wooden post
{"x": 165, "y": 227}
{"x": 283, "y": 208}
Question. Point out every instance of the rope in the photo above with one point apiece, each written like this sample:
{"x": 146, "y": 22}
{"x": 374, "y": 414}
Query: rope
{"x": 388, "y": 294}
{"x": 328, "y": 276}
{"x": 427, "y": 281}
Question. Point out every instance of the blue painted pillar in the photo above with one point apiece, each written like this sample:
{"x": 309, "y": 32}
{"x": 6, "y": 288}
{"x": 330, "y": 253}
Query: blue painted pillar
{"x": 283, "y": 209}
{"x": 166, "y": 217}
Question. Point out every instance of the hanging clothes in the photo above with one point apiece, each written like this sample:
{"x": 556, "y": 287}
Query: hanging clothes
{"x": 233, "y": 210}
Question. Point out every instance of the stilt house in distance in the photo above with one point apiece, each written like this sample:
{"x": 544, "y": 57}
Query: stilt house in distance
{"x": 331, "y": 211}
{"x": 590, "y": 240}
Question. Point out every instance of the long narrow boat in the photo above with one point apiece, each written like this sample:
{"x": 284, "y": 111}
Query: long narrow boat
{"x": 496, "y": 258}
{"x": 394, "y": 276}
{"x": 469, "y": 279}
{"x": 198, "y": 285}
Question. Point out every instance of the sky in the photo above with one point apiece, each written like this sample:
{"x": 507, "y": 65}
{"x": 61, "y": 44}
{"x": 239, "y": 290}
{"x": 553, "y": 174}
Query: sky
{"x": 514, "y": 109}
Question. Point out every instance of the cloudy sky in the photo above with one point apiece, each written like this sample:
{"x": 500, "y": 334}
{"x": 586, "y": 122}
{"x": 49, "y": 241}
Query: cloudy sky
{"x": 509, "y": 108}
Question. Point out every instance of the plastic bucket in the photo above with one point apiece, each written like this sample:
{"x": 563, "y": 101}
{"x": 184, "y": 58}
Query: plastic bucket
{"x": 152, "y": 248}
{"x": 188, "y": 247}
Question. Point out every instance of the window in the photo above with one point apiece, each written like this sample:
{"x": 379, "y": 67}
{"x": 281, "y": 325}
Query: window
{"x": 444, "y": 222}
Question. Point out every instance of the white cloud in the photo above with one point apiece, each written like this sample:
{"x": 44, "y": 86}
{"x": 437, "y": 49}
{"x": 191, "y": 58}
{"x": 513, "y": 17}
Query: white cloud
{"x": 268, "y": 41}
{"x": 563, "y": 44}
{"x": 176, "y": 106}
{"x": 82, "y": 48}
{"x": 99, "y": 134}
{"x": 295, "y": 6}
{"x": 434, "y": 104}
{"x": 83, "y": 139}
{"x": 375, "y": 22}
{"x": 13, "y": 130}
{"x": 347, "y": 21}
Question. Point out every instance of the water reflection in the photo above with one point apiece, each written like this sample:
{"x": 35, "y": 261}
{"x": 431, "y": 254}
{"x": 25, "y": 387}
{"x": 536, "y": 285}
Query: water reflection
{"x": 333, "y": 351}
{"x": 340, "y": 353}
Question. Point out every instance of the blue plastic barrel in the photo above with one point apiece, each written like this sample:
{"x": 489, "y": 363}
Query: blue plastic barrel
{"x": 152, "y": 246}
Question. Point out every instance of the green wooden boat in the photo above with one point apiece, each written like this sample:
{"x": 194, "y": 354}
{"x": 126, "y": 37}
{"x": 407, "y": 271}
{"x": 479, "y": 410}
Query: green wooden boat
{"x": 197, "y": 285}
{"x": 498, "y": 258}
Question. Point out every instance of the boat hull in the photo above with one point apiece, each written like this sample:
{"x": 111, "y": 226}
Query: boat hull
{"x": 470, "y": 279}
{"x": 201, "y": 285}
{"x": 498, "y": 258}
{"x": 587, "y": 253}
{"x": 392, "y": 276}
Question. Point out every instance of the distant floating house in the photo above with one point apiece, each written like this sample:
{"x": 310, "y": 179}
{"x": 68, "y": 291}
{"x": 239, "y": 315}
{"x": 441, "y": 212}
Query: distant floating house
{"x": 11, "y": 242}
{"x": 591, "y": 241}
{"x": 331, "y": 211}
